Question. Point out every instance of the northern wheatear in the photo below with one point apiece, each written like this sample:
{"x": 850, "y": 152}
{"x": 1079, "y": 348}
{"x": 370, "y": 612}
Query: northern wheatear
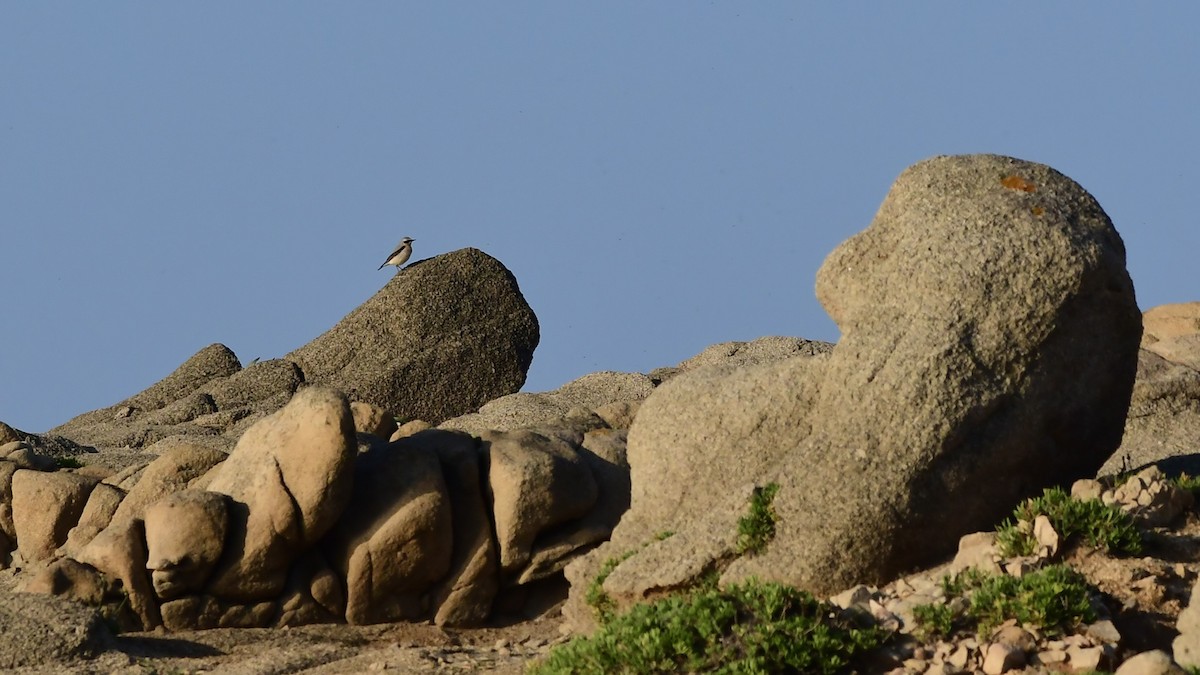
{"x": 401, "y": 255}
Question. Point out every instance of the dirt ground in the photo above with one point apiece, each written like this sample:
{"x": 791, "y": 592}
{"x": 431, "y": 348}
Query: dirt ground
{"x": 327, "y": 650}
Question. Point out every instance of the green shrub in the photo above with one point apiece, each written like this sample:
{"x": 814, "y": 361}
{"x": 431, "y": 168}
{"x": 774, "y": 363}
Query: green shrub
{"x": 68, "y": 462}
{"x": 934, "y": 621}
{"x": 596, "y": 596}
{"x": 1054, "y": 599}
{"x": 748, "y": 628}
{"x": 1093, "y": 522}
{"x": 1189, "y": 483}
{"x": 757, "y": 528}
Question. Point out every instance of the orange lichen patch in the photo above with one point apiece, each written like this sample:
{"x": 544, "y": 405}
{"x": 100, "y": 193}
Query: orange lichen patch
{"x": 1017, "y": 183}
{"x": 1037, "y": 210}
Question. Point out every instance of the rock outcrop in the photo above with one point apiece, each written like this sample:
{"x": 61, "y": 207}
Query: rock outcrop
{"x": 989, "y": 328}
{"x": 297, "y": 525}
{"x": 443, "y": 337}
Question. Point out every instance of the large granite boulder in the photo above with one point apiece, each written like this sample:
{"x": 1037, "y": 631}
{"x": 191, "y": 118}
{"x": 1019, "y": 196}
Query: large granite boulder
{"x": 443, "y": 337}
{"x": 989, "y": 328}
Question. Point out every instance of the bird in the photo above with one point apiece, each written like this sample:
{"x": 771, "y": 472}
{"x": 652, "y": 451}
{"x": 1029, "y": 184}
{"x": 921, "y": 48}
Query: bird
{"x": 401, "y": 255}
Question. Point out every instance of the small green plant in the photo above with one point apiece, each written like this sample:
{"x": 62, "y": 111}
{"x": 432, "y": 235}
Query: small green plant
{"x": 1054, "y": 599}
{"x": 757, "y": 528}
{"x": 955, "y": 585}
{"x": 747, "y": 628}
{"x": 1189, "y": 483}
{"x": 597, "y": 597}
{"x": 1093, "y": 522}
{"x": 68, "y": 462}
{"x": 935, "y": 621}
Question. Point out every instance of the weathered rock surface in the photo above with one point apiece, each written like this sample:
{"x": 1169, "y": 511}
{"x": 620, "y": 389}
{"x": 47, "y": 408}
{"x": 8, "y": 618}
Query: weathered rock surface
{"x": 45, "y": 506}
{"x": 1173, "y": 332}
{"x": 443, "y": 337}
{"x": 185, "y": 535}
{"x": 102, "y": 503}
{"x": 763, "y": 350}
{"x": 464, "y": 596}
{"x": 121, "y": 425}
{"x": 525, "y": 410}
{"x": 174, "y": 470}
{"x": 1164, "y": 414}
{"x": 42, "y": 631}
{"x": 119, "y": 551}
{"x": 289, "y": 479}
{"x": 534, "y": 482}
{"x": 50, "y": 445}
{"x": 395, "y": 538}
{"x": 988, "y": 328}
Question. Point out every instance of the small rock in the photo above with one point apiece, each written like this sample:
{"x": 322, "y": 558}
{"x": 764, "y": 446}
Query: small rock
{"x": 409, "y": 428}
{"x": 1046, "y": 537}
{"x": 1014, "y": 636}
{"x": 851, "y": 597}
{"x": 1156, "y": 662}
{"x": 1086, "y": 489}
{"x": 1088, "y": 658}
{"x": 958, "y": 658}
{"x": 1050, "y": 656}
{"x": 1002, "y": 658}
{"x": 1019, "y": 567}
{"x": 1104, "y": 631}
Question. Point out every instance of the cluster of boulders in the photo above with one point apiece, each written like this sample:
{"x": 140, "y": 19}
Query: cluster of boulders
{"x": 326, "y": 511}
{"x": 311, "y": 519}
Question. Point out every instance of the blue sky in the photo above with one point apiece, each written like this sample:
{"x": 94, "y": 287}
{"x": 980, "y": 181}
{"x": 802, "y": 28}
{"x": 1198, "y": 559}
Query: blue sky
{"x": 658, "y": 176}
